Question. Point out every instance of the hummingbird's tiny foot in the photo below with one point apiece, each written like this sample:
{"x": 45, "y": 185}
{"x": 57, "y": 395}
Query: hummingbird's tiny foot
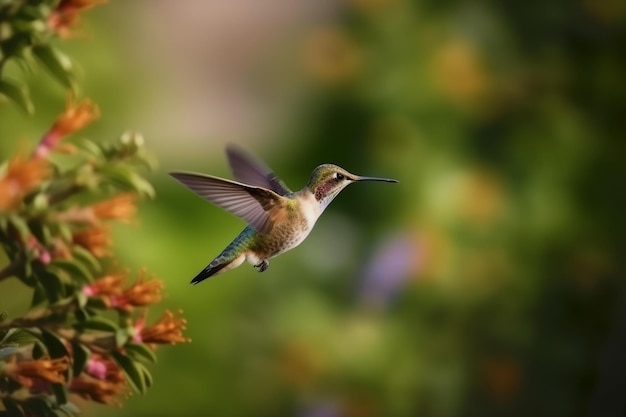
{"x": 262, "y": 265}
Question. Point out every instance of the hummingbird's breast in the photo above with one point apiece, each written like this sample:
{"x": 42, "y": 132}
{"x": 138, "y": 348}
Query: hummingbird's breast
{"x": 290, "y": 231}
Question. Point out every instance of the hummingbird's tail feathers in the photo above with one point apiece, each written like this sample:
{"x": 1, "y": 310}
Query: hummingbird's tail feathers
{"x": 219, "y": 265}
{"x": 208, "y": 272}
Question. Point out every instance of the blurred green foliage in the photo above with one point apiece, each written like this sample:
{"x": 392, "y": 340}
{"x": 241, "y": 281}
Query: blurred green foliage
{"x": 489, "y": 282}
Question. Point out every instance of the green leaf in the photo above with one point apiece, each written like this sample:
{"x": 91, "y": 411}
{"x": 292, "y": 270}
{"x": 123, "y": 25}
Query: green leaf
{"x": 132, "y": 371}
{"x": 58, "y": 64}
{"x": 75, "y": 270}
{"x": 41, "y": 232}
{"x": 128, "y": 178}
{"x": 91, "y": 148}
{"x": 54, "y": 344}
{"x": 81, "y": 356}
{"x": 64, "y": 231}
{"x": 18, "y": 337}
{"x": 39, "y": 407}
{"x": 60, "y": 392}
{"x": 86, "y": 257}
{"x": 143, "y": 186}
{"x": 39, "y": 350}
{"x": 21, "y": 226}
{"x": 39, "y": 296}
{"x": 147, "y": 375}
{"x": 140, "y": 352}
{"x": 97, "y": 323}
{"x": 14, "y": 46}
{"x": 81, "y": 313}
{"x": 17, "y": 92}
{"x": 69, "y": 408}
{"x": 52, "y": 285}
{"x": 96, "y": 303}
{"x": 121, "y": 337}
{"x": 82, "y": 299}
{"x": 13, "y": 410}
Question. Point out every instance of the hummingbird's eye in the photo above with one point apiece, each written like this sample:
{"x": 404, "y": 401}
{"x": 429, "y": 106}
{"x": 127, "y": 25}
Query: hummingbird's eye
{"x": 339, "y": 176}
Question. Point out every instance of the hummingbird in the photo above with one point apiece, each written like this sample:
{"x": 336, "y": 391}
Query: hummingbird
{"x": 278, "y": 219}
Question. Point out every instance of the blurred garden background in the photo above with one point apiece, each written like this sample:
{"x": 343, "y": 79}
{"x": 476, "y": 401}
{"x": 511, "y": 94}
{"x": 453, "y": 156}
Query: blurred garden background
{"x": 489, "y": 282}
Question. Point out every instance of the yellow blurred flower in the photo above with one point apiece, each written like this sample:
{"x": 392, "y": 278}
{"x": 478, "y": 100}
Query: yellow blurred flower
{"x": 459, "y": 74}
{"x": 331, "y": 56}
{"x": 483, "y": 197}
{"x": 299, "y": 364}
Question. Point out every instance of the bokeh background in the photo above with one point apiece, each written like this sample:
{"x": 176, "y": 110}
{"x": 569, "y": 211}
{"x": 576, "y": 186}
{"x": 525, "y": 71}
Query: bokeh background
{"x": 489, "y": 282}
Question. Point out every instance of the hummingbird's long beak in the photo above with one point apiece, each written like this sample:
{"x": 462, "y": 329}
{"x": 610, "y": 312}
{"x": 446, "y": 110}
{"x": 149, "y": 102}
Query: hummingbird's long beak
{"x": 375, "y": 179}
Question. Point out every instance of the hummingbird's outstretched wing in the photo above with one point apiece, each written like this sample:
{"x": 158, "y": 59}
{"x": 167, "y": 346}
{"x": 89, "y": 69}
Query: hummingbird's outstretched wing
{"x": 250, "y": 170}
{"x": 258, "y": 206}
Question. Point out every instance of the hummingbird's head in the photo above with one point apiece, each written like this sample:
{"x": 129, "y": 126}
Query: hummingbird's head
{"x": 328, "y": 180}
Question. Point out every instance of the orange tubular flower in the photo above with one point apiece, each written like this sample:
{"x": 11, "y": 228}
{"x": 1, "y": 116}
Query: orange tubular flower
{"x": 75, "y": 117}
{"x": 143, "y": 292}
{"x": 66, "y": 14}
{"x": 99, "y": 390}
{"x": 167, "y": 330}
{"x": 122, "y": 207}
{"x": 96, "y": 240}
{"x": 25, "y": 372}
{"x": 22, "y": 175}
{"x": 108, "y": 285}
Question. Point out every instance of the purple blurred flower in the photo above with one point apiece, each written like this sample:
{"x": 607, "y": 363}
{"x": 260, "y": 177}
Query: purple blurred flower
{"x": 321, "y": 409}
{"x": 395, "y": 260}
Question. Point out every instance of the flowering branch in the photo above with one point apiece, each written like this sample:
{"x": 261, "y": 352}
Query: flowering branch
{"x": 85, "y": 334}
{"x": 54, "y": 232}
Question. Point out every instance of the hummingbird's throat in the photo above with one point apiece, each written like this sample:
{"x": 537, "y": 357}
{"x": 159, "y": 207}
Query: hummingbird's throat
{"x": 323, "y": 191}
